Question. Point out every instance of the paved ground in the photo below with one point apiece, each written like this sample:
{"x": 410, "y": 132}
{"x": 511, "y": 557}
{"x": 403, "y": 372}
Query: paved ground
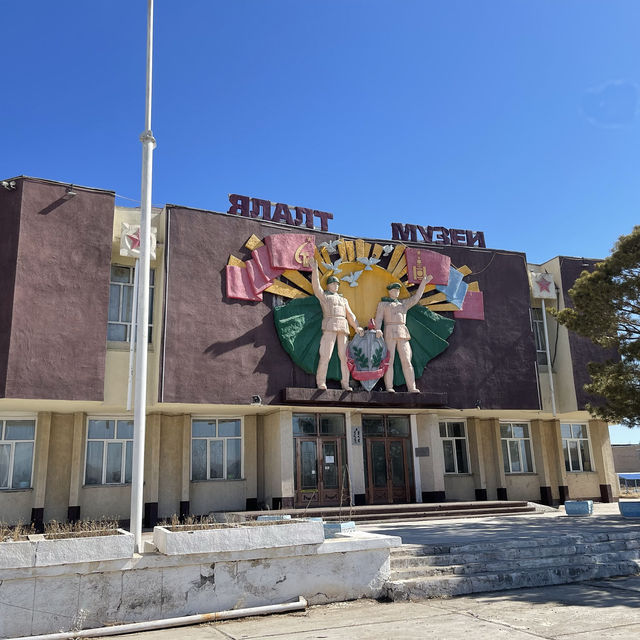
{"x": 604, "y": 609}
{"x": 607, "y": 609}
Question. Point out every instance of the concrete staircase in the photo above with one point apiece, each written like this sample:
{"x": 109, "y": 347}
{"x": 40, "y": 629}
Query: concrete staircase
{"x": 426, "y": 571}
{"x": 367, "y": 514}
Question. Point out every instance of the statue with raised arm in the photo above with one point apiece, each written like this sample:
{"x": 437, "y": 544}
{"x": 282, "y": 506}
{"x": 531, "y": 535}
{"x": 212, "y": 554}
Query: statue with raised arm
{"x": 336, "y": 318}
{"x": 392, "y": 315}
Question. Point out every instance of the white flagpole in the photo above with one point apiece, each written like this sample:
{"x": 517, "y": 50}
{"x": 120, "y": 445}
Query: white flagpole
{"x": 142, "y": 332}
{"x": 546, "y": 341}
{"x": 132, "y": 335}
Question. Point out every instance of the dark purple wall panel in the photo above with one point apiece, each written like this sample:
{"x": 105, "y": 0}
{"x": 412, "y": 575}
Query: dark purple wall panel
{"x": 10, "y": 228}
{"x": 583, "y": 350}
{"x": 58, "y": 332}
{"x": 224, "y": 351}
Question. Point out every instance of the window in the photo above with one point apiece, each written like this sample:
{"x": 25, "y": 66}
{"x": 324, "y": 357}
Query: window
{"x": 389, "y": 426}
{"x": 17, "y": 438}
{"x": 328, "y": 424}
{"x": 109, "y": 451}
{"x": 538, "y": 334}
{"x": 516, "y": 447}
{"x": 216, "y": 449}
{"x": 454, "y": 446}
{"x": 121, "y": 303}
{"x": 575, "y": 444}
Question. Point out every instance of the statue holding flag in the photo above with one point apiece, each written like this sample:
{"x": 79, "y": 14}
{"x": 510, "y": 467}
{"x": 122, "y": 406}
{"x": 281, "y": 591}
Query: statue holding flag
{"x": 392, "y": 313}
{"x": 336, "y": 318}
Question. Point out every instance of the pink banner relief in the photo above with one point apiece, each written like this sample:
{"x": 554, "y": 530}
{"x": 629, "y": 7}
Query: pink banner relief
{"x": 239, "y": 284}
{"x": 472, "y": 307}
{"x": 258, "y": 282}
{"x": 262, "y": 260}
{"x": 291, "y": 251}
{"x": 421, "y": 262}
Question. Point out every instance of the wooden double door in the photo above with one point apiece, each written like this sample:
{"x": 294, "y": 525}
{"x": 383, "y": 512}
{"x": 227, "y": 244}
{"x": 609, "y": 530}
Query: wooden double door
{"x": 387, "y": 470}
{"x": 321, "y": 471}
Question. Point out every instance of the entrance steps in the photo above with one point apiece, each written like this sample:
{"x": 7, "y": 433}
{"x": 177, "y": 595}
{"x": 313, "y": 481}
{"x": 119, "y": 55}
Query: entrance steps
{"x": 401, "y": 512}
{"x": 436, "y": 571}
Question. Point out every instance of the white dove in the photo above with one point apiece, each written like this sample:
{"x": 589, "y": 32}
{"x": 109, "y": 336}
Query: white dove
{"x": 388, "y": 248}
{"x": 352, "y": 278}
{"x": 331, "y": 247}
{"x": 335, "y": 267}
{"x": 368, "y": 262}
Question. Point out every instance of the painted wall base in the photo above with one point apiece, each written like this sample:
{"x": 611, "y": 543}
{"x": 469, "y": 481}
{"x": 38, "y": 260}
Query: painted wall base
{"x": 152, "y": 585}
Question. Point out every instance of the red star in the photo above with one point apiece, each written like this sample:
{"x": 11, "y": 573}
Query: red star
{"x": 135, "y": 239}
{"x": 544, "y": 284}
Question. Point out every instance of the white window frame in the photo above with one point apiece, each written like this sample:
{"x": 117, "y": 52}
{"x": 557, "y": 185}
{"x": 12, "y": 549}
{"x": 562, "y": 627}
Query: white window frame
{"x": 210, "y": 439}
{"x": 130, "y": 284}
{"x": 106, "y": 441}
{"x": 537, "y": 326}
{"x": 520, "y": 442}
{"x": 3, "y": 420}
{"x": 577, "y": 440}
{"x": 465, "y": 438}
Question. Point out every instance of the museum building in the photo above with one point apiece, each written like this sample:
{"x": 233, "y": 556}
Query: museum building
{"x": 234, "y": 417}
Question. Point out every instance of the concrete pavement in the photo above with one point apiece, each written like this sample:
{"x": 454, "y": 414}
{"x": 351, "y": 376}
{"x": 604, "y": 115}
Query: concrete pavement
{"x": 586, "y": 611}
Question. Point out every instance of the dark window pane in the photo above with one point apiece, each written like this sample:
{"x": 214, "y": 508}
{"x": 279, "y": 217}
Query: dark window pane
{"x": 5, "y": 453}
{"x": 203, "y": 428}
{"x": 586, "y": 458}
{"x": 102, "y": 429}
{"x": 234, "y": 458}
{"x": 456, "y": 429}
{"x": 461, "y": 456}
{"x": 120, "y": 274}
{"x": 396, "y": 458}
{"x": 127, "y": 304}
{"x": 216, "y": 459}
{"x": 579, "y": 430}
{"x": 94, "y": 463}
{"x": 372, "y": 425}
{"x": 379, "y": 464}
{"x": 198, "y": 459}
{"x": 527, "y": 462}
{"x": 565, "y": 430}
{"x": 150, "y": 319}
{"x": 443, "y": 429}
{"x": 114, "y": 302}
{"x": 114, "y": 463}
{"x": 398, "y": 426}
{"x": 125, "y": 429}
{"x": 332, "y": 424}
{"x": 565, "y": 447}
{"x": 329, "y": 465}
{"x": 229, "y": 428}
{"x": 505, "y": 430}
{"x": 514, "y": 452}
{"x": 117, "y": 333}
{"x": 449, "y": 462}
{"x": 309, "y": 465}
{"x": 128, "y": 462}
{"x": 505, "y": 456}
{"x": 304, "y": 424}
{"x": 22, "y": 459}
{"x": 520, "y": 431}
{"x": 20, "y": 430}
{"x": 574, "y": 455}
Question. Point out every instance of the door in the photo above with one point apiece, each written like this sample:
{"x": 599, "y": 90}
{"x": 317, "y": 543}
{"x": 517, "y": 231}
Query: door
{"x": 387, "y": 476}
{"x": 320, "y": 472}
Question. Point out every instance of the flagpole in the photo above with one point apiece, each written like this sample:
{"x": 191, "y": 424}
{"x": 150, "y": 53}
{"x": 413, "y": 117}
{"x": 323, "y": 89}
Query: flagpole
{"x": 132, "y": 335}
{"x": 142, "y": 330}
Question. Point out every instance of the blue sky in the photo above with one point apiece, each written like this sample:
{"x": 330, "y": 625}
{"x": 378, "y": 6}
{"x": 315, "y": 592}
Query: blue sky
{"x": 516, "y": 117}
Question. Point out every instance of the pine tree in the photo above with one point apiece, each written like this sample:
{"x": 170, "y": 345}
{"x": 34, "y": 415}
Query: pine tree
{"x": 606, "y": 309}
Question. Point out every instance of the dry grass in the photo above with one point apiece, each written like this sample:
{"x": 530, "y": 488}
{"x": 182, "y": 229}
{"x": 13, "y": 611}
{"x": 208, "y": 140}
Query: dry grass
{"x": 15, "y": 533}
{"x": 54, "y": 529}
{"x": 199, "y": 523}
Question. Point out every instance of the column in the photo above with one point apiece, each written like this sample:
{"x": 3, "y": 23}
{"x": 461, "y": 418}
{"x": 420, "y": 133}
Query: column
{"x": 76, "y": 471}
{"x": 477, "y": 454}
{"x": 501, "y": 477}
{"x": 186, "y": 466}
{"x": 432, "y": 466}
{"x": 417, "y": 480}
{"x": 543, "y": 456}
{"x": 355, "y": 458}
{"x": 41, "y": 461}
{"x": 606, "y": 471}
{"x": 152, "y": 470}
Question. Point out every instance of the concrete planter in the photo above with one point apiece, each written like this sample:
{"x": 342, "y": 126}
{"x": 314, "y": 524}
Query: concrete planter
{"x": 629, "y": 508}
{"x": 578, "y": 507}
{"x": 223, "y": 538}
{"x": 38, "y": 551}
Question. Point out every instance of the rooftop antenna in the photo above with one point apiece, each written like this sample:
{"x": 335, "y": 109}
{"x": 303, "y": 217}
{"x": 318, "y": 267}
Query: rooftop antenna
{"x": 142, "y": 329}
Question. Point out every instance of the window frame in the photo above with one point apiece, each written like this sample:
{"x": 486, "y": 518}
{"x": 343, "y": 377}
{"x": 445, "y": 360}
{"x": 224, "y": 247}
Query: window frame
{"x": 577, "y": 440}
{"x": 537, "y": 326}
{"x": 519, "y": 440}
{"x": 9, "y": 418}
{"x": 106, "y": 441}
{"x": 452, "y": 439}
{"x": 218, "y": 438}
{"x": 122, "y": 286}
